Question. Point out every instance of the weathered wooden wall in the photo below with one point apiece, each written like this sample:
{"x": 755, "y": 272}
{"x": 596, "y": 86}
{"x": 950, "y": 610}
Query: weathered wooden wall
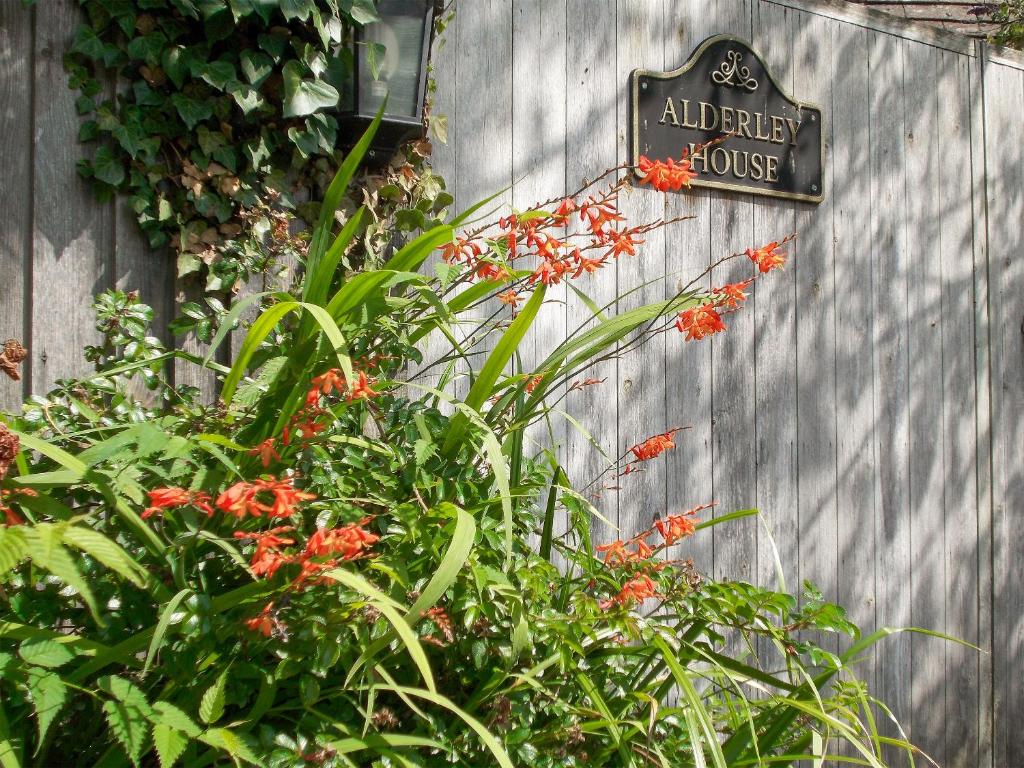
{"x": 870, "y": 401}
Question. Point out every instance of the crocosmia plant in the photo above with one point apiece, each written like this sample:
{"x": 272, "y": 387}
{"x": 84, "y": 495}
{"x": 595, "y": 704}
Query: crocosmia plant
{"x": 340, "y": 562}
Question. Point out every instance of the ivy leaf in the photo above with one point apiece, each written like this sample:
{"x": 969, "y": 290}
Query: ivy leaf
{"x": 107, "y": 168}
{"x": 361, "y": 11}
{"x": 256, "y": 67}
{"x": 48, "y": 694}
{"x": 304, "y": 97}
{"x": 246, "y": 97}
{"x": 211, "y": 708}
{"x": 191, "y": 110}
{"x": 148, "y": 48}
{"x": 296, "y": 9}
{"x": 175, "y": 64}
{"x": 88, "y": 43}
{"x": 169, "y": 744}
{"x": 220, "y": 74}
{"x": 45, "y": 653}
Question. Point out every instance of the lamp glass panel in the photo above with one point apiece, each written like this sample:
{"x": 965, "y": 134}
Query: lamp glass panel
{"x": 397, "y": 40}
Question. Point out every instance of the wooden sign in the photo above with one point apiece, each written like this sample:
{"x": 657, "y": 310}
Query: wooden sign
{"x": 775, "y": 146}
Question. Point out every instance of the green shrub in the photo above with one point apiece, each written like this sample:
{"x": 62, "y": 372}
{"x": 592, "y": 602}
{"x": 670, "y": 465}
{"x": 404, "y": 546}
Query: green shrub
{"x": 333, "y": 564}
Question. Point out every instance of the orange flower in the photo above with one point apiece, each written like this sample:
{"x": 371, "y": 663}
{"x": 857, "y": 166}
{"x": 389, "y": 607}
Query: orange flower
{"x": 265, "y": 622}
{"x": 732, "y": 294}
{"x": 767, "y": 257}
{"x": 623, "y": 242}
{"x": 533, "y": 382}
{"x": 310, "y": 569}
{"x": 286, "y": 496}
{"x": 597, "y": 213}
{"x": 637, "y": 589}
{"x": 562, "y": 212}
{"x": 266, "y": 452}
{"x": 699, "y": 322}
{"x": 361, "y": 389}
{"x": 509, "y": 297}
{"x": 675, "y": 527}
{"x": 583, "y": 264}
{"x": 267, "y": 558}
{"x": 550, "y": 272}
{"x": 329, "y": 381}
{"x": 10, "y": 516}
{"x": 654, "y": 446}
{"x": 665, "y": 175}
{"x": 351, "y": 541}
{"x": 243, "y": 498}
{"x": 461, "y": 250}
{"x": 615, "y": 553}
{"x": 310, "y": 427}
{"x": 171, "y": 498}
{"x": 488, "y": 270}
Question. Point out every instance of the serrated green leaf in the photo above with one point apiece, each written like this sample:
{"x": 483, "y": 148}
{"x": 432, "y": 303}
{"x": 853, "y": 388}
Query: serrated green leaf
{"x": 13, "y": 548}
{"x": 211, "y": 708}
{"x": 42, "y": 652}
{"x": 230, "y": 742}
{"x": 165, "y": 713}
{"x": 47, "y": 550}
{"x": 129, "y": 727}
{"x": 170, "y": 743}
{"x": 105, "y": 551}
{"x": 48, "y": 694}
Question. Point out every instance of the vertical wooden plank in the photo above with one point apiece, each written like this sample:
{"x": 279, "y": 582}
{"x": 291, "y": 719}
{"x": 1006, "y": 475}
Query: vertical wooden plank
{"x": 538, "y": 160}
{"x": 688, "y": 365}
{"x": 1004, "y": 90}
{"x": 641, "y": 373}
{"x": 484, "y": 159}
{"x": 889, "y": 341}
{"x": 72, "y": 234}
{"x": 855, "y": 459}
{"x": 816, "y": 327}
{"x": 732, "y": 375}
{"x": 592, "y": 94}
{"x": 982, "y": 406}
{"x": 443, "y": 62}
{"x": 776, "y": 355}
{"x": 961, "y": 588}
{"x": 922, "y": 123}
{"x": 16, "y": 192}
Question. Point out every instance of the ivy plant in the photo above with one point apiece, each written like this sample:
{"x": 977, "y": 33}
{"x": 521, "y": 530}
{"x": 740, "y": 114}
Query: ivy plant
{"x": 224, "y": 110}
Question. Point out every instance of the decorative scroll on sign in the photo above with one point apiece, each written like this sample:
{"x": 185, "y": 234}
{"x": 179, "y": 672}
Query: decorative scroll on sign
{"x": 774, "y": 147}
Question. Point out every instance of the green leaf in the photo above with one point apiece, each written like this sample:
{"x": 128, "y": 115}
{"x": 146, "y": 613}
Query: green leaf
{"x": 483, "y": 387}
{"x": 46, "y": 549}
{"x": 170, "y": 743}
{"x": 13, "y": 548}
{"x": 105, "y": 551}
{"x": 191, "y": 111}
{"x": 45, "y": 653}
{"x": 304, "y": 97}
{"x": 161, "y": 628}
{"x": 106, "y": 167}
{"x": 211, "y": 707}
{"x": 172, "y": 716}
{"x": 128, "y": 715}
{"x": 48, "y": 694}
{"x": 232, "y": 743}
{"x": 489, "y": 739}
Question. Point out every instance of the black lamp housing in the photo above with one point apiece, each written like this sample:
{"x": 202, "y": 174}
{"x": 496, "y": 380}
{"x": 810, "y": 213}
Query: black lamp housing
{"x": 405, "y": 31}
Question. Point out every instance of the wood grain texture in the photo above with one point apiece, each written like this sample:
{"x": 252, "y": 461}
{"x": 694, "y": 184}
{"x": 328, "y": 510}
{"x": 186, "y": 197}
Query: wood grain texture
{"x": 958, "y": 233}
{"x": 923, "y": 122}
{"x": 641, "y": 374}
{"x": 732, "y": 375}
{"x": 856, "y": 463}
{"x": 16, "y": 75}
{"x": 1005, "y": 174}
{"x": 72, "y": 235}
{"x": 688, "y": 365}
{"x": 592, "y": 92}
{"x": 889, "y": 307}
{"x": 775, "y": 310}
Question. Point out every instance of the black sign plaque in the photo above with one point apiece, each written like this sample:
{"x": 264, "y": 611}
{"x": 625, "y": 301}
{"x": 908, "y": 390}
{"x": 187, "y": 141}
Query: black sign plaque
{"x": 775, "y": 148}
